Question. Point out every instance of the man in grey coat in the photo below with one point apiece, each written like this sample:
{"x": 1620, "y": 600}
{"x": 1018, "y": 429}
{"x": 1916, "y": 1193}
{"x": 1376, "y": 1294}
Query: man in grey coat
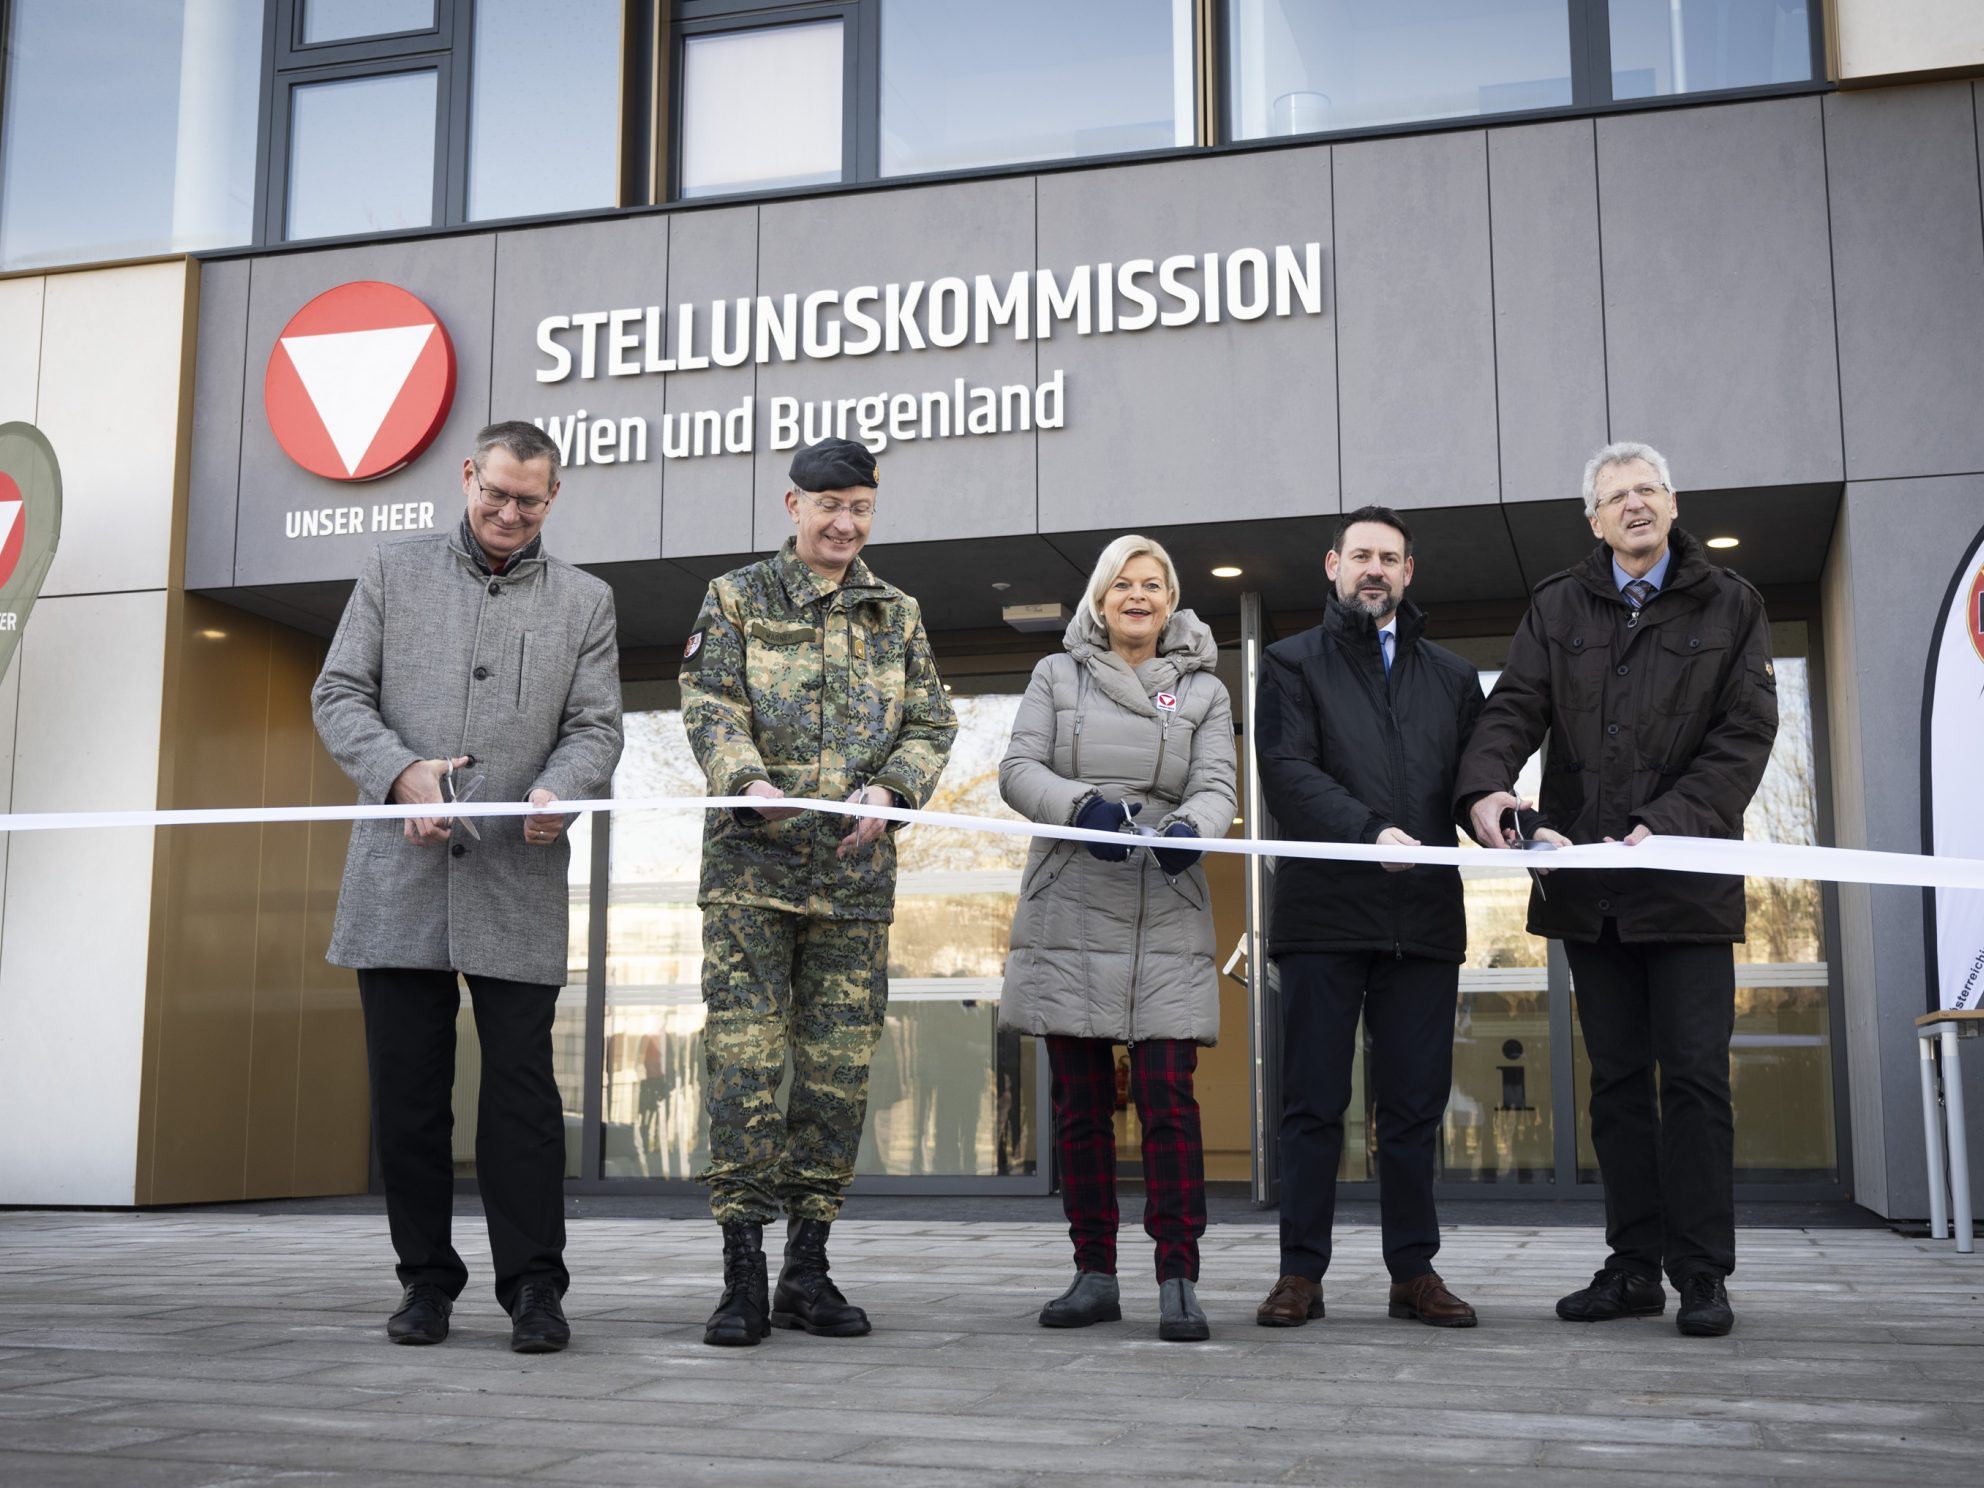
{"x": 470, "y": 663}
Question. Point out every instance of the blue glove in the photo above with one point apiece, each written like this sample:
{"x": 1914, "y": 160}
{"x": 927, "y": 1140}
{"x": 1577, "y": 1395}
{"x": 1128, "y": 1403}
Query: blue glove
{"x": 1107, "y": 816}
{"x": 1172, "y": 860}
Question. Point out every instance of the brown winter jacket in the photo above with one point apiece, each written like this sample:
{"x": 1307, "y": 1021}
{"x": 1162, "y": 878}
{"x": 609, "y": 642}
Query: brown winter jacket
{"x": 1663, "y": 715}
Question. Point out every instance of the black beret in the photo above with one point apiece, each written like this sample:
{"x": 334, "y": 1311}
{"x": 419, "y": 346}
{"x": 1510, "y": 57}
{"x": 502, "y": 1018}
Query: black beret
{"x": 833, "y": 465}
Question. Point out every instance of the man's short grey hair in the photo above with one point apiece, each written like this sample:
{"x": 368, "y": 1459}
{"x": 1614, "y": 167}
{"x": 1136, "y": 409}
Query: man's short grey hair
{"x": 1620, "y": 454}
{"x": 525, "y": 442}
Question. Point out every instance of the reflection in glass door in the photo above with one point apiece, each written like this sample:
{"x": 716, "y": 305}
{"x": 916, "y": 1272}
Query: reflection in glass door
{"x": 949, "y": 1095}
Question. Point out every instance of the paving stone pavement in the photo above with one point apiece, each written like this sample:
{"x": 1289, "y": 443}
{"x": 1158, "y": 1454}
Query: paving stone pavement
{"x": 203, "y": 1347}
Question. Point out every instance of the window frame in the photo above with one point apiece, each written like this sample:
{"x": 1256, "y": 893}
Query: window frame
{"x": 293, "y": 51}
{"x": 860, "y": 51}
{"x": 448, "y": 49}
{"x": 1590, "y": 32}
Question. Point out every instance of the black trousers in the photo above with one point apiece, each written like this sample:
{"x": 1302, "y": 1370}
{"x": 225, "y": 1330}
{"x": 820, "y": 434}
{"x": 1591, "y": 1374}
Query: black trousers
{"x": 519, "y": 1130}
{"x": 1408, "y": 1005}
{"x": 1667, "y": 1165}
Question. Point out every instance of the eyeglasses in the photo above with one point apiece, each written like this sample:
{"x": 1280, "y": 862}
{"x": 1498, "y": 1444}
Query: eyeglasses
{"x": 1645, "y": 492}
{"x": 495, "y": 501}
{"x": 833, "y": 506}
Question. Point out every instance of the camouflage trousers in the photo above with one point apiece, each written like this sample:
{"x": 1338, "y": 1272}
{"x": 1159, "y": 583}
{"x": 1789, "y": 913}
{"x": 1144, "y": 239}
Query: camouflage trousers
{"x": 776, "y": 984}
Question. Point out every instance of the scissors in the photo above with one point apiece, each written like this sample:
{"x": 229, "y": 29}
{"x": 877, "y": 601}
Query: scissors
{"x": 458, "y": 793}
{"x": 1526, "y": 823}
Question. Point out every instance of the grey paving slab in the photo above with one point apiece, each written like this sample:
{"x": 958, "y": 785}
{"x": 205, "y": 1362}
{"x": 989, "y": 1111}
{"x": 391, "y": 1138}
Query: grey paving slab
{"x": 222, "y": 1346}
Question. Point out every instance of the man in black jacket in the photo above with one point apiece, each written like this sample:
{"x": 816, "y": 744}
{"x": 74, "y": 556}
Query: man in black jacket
{"x": 1359, "y": 725}
{"x": 1650, "y": 670}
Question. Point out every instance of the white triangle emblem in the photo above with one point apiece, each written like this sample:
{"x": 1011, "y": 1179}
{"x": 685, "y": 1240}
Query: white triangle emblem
{"x": 10, "y": 513}
{"x": 353, "y": 378}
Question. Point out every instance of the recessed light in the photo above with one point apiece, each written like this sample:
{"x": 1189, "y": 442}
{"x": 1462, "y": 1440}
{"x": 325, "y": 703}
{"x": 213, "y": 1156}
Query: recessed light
{"x": 1724, "y": 542}
{"x": 1001, "y": 585}
{"x": 1226, "y": 571}
{"x": 213, "y": 635}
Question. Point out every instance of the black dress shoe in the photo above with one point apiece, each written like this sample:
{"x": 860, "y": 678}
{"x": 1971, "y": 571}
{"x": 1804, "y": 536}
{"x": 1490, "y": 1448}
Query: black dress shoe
{"x": 1613, "y": 1294}
{"x": 1704, "y": 1311}
{"x": 423, "y": 1315}
{"x": 807, "y": 1297}
{"x": 537, "y": 1322}
{"x": 741, "y": 1319}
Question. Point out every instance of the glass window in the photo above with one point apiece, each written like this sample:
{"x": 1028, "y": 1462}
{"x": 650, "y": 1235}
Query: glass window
{"x": 1306, "y": 66}
{"x": 535, "y": 145}
{"x": 1696, "y": 46}
{"x": 129, "y": 128}
{"x": 361, "y": 155}
{"x": 348, "y": 20}
{"x": 974, "y": 85}
{"x": 948, "y": 1093}
{"x": 761, "y": 109}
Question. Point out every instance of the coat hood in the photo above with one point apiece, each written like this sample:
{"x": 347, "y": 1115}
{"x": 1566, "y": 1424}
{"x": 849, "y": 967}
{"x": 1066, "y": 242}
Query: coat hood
{"x": 1186, "y": 642}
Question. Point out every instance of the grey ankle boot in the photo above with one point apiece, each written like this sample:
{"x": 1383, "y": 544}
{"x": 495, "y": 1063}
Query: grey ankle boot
{"x": 1092, "y": 1298}
{"x": 1179, "y": 1318}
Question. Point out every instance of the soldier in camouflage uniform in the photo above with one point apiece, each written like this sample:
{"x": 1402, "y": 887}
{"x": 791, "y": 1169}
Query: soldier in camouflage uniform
{"x": 807, "y": 676}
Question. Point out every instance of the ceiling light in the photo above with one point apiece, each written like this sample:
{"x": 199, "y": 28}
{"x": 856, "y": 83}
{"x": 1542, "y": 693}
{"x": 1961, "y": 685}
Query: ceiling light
{"x": 1001, "y": 585}
{"x": 213, "y": 635}
{"x": 1724, "y": 542}
{"x": 1227, "y": 571}
{"x": 1031, "y": 617}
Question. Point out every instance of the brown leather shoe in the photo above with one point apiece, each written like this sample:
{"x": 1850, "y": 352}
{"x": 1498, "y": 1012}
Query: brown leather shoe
{"x": 1425, "y": 1299}
{"x": 1291, "y": 1303}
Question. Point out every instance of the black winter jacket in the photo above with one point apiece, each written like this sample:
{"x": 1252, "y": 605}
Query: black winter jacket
{"x": 1345, "y": 752}
{"x": 1662, "y": 716}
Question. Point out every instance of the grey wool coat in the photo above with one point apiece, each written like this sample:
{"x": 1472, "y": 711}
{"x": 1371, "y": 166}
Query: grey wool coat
{"x": 1119, "y": 951}
{"x": 435, "y": 659}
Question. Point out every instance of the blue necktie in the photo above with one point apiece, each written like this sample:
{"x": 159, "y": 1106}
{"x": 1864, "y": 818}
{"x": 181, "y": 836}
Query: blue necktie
{"x": 1638, "y": 592}
{"x": 1385, "y": 639}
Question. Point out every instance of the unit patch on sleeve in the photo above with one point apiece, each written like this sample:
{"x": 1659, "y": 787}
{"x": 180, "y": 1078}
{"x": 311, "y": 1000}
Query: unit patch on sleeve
{"x": 692, "y": 650}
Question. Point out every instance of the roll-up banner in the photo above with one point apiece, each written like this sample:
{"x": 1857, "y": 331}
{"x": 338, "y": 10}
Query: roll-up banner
{"x": 1953, "y": 784}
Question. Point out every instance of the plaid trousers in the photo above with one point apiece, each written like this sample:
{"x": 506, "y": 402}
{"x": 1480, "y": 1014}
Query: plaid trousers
{"x": 1084, "y": 1093}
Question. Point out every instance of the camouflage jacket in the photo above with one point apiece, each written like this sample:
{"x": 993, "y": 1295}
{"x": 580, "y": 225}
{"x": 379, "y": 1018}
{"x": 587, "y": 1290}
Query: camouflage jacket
{"x": 819, "y": 688}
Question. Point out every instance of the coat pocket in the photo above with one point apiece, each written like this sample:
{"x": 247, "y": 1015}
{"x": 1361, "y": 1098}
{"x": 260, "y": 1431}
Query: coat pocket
{"x": 1691, "y": 659}
{"x": 523, "y": 671}
{"x": 1579, "y": 660}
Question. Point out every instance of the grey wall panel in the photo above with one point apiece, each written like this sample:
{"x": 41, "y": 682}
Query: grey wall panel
{"x": 604, "y": 511}
{"x": 455, "y": 277}
{"x": 1549, "y": 305}
{"x": 1908, "y": 266}
{"x": 214, "y": 485}
{"x": 1718, "y": 291}
{"x": 1892, "y": 603}
{"x": 957, "y": 487}
{"x": 1415, "y": 331}
{"x": 1175, "y": 424}
{"x": 706, "y": 500}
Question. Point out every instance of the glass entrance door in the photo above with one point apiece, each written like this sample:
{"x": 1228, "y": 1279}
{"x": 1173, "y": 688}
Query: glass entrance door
{"x": 1517, "y": 1115}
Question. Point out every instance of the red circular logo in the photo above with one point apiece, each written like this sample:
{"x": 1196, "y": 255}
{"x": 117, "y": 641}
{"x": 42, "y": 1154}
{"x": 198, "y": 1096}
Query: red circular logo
{"x": 1974, "y": 612}
{"x": 13, "y": 526}
{"x": 359, "y": 382}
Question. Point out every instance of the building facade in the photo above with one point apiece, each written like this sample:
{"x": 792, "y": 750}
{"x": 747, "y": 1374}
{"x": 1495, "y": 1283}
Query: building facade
{"x": 1217, "y": 270}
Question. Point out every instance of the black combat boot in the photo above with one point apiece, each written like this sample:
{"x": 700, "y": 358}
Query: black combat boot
{"x": 739, "y": 1319}
{"x": 807, "y": 1297}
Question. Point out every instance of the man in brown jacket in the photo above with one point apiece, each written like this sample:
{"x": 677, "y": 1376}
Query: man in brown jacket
{"x": 1650, "y": 671}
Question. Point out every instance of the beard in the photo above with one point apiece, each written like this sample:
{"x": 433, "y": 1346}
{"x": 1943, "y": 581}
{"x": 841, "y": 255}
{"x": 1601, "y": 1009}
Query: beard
{"x": 1380, "y": 610}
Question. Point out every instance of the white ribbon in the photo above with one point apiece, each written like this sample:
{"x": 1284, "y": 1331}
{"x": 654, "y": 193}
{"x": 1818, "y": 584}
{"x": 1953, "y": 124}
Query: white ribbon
{"x": 1663, "y": 854}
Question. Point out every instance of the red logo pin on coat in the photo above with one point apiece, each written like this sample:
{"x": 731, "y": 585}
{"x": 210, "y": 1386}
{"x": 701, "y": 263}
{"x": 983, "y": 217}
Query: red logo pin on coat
{"x": 359, "y": 382}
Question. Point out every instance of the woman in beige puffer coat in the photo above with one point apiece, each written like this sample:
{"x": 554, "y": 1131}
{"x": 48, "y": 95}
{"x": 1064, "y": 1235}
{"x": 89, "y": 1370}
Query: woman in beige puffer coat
{"x": 1128, "y": 729}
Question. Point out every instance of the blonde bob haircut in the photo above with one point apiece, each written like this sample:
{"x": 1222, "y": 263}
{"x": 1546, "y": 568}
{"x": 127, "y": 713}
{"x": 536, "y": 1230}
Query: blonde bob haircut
{"x": 1116, "y": 557}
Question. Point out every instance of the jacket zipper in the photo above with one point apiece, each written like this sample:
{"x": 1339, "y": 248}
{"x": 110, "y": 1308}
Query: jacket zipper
{"x": 1137, "y": 961}
{"x": 1398, "y": 787}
